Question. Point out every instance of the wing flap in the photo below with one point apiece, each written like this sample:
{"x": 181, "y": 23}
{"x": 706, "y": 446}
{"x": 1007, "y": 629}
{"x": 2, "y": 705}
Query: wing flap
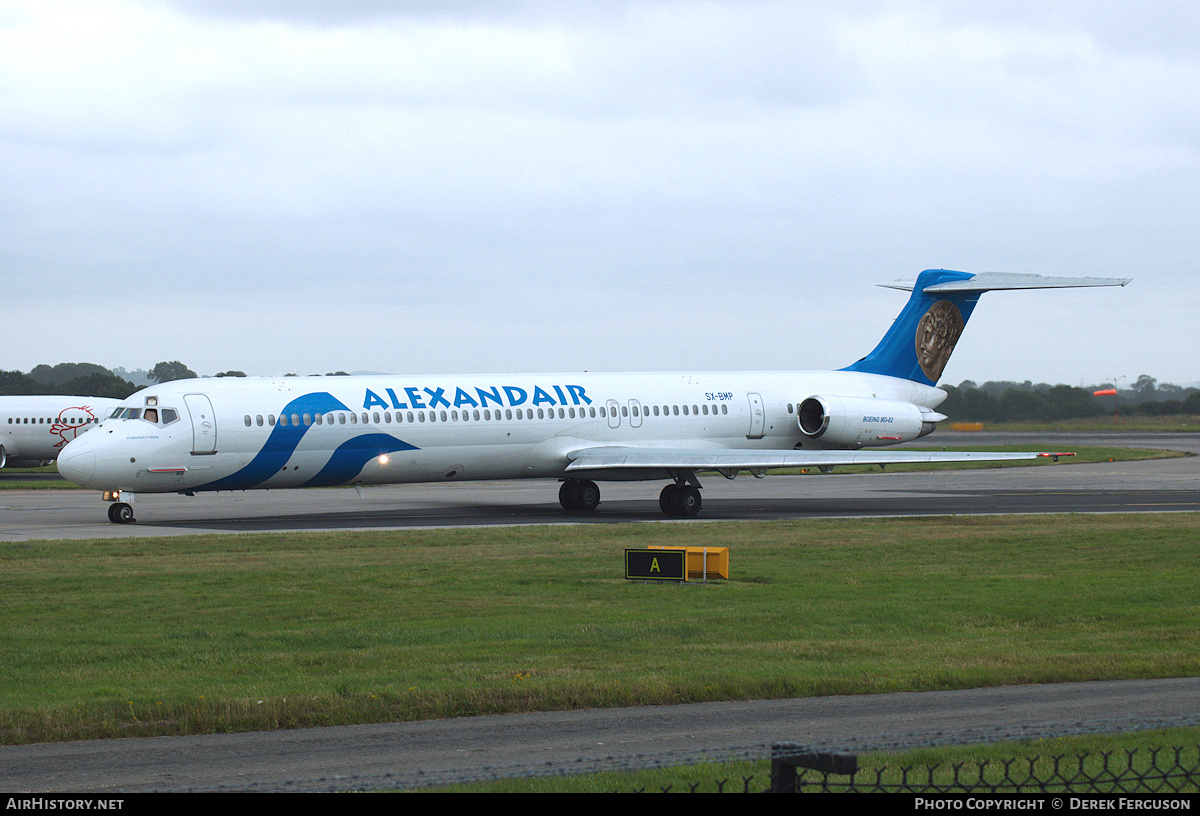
{"x": 610, "y": 458}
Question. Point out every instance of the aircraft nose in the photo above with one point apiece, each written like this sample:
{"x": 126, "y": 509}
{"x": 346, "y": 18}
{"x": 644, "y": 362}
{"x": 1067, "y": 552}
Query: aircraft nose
{"x": 77, "y": 461}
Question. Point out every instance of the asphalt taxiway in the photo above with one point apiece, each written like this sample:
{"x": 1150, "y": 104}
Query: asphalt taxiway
{"x": 1163, "y": 485}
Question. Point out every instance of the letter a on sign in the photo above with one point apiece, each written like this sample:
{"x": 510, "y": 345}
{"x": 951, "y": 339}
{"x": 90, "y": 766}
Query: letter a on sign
{"x": 661, "y": 565}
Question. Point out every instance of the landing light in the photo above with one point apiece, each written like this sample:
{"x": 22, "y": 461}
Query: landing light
{"x": 383, "y": 460}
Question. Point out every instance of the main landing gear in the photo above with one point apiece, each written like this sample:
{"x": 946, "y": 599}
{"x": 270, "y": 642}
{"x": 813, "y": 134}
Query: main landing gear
{"x": 680, "y": 500}
{"x": 676, "y": 500}
{"x": 579, "y": 496}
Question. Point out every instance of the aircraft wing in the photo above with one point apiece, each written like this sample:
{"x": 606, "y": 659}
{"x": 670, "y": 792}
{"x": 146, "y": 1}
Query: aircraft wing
{"x": 730, "y": 460}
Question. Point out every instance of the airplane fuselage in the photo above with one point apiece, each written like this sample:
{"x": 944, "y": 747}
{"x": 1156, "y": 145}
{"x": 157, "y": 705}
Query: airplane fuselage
{"x": 240, "y": 434}
{"x": 34, "y": 429}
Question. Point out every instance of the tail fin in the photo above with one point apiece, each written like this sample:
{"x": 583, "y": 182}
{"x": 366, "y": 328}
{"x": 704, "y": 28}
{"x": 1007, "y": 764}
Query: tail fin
{"x": 919, "y": 342}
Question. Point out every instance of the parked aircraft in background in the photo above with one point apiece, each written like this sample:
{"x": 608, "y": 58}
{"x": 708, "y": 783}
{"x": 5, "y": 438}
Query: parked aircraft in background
{"x": 34, "y": 429}
{"x": 246, "y": 434}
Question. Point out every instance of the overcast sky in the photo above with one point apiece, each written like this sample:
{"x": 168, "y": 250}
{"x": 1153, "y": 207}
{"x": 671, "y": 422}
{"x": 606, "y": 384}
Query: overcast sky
{"x": 462, "y": 187}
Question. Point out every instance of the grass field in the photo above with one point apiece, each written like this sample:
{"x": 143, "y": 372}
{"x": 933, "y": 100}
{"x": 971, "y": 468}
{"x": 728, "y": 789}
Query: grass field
{"x": 1175, "y": 423}
{"x": 237, "y": 632}
{"x": 1082, "y": 454}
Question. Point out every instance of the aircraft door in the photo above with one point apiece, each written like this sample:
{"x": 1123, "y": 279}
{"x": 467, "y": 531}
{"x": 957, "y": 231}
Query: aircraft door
{"x": 635, "y": 414}
{"x": 204, "y": 423}
{"x": 758, "y": 417}
{"x": 614, "y": 414}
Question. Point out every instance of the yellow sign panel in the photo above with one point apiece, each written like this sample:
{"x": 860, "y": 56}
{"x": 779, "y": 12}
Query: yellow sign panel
{"x": 706, "y": 562}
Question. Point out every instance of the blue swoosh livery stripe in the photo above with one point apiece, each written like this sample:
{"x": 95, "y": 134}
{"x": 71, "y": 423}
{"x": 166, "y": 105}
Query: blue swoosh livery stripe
{"x": 284, "y": 440}
{"x": 348, "y": 460}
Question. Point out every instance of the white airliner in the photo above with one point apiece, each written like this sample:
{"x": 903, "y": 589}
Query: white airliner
{"x": 250, "y": 433}
{"x": 34, "y": 429}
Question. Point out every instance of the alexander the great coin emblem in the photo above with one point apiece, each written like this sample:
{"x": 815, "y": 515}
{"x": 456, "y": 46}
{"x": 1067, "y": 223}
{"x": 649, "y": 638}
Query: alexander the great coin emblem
{"x": 937, "y": 333}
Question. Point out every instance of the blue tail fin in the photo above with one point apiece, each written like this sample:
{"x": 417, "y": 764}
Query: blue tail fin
{"x": 918, "y": 345}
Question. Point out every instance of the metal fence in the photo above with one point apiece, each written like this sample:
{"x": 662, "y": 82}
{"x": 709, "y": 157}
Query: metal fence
{"x": 1134, "y": 771}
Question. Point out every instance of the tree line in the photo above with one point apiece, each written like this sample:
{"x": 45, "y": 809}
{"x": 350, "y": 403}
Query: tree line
{"x": 1016, "y": 402}
{"x": 88, "y": 379}
{"x": 91, "y": 380}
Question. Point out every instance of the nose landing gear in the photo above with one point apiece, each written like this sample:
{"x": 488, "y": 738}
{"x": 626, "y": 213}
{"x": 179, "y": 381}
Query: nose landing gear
{"x": 120, "y": 513}
{"x": 121, "y": 509}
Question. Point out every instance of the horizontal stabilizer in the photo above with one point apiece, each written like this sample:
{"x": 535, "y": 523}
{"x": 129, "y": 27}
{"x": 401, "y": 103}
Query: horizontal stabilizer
{"x": 997, "y": 281}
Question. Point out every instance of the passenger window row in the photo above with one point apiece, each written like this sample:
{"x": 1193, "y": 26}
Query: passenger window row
{"x": 475, "y": 415}
{"x": 696, "y": 410}
{"x": 51, "y": 420}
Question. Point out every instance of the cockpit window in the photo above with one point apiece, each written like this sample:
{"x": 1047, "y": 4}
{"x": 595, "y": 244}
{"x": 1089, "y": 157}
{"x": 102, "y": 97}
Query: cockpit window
{"x": 155, "y": 416}
{"x": 161, "y": 416}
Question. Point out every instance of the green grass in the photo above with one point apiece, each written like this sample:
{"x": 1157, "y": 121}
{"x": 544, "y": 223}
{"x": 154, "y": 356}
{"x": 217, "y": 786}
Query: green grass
{"x": 10, "y": 483}
{"x": 1174, "y": 423}
{"x": 236, "y": 632}
{"x": 1083, "y": 454}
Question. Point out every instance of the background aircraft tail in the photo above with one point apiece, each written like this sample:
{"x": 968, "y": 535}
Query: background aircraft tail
{"x": 919, "y": 343}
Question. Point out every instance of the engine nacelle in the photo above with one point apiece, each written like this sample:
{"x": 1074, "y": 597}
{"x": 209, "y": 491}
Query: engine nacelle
{"x": 13, "y": 459}
{"x": 858, "y": 422}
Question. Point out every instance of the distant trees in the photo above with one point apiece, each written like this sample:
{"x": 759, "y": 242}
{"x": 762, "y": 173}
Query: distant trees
{"x": 82, "y": 379}
{"x": 169, "y": 372}
{"x": 1146, "y": 386}
{"x": 101, "y": 384}
{"x": 1168, "y": 407}
{"x": 1010, "y": 401}
{"x": 139, "y": 376}
{"x": 1001, "y": 402}
{"x": 75, "y": 379}
{"x": 14, "y": 383}
{"x": 65, "y": 372}
{"x": 90, "y": 380}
